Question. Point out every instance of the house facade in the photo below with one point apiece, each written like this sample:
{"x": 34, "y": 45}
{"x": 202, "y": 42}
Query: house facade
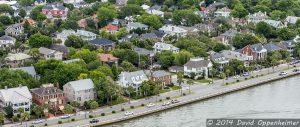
{"x": 255, "y": 52}
{"x": 134, "y": 79}
{"x": 49, "y": 95}
{"x": 79, "y": 91}
{"x": 224, "y": 12}
{"x": 18, "y": 97}
{"x": 50, "y": 54}
{"x": 103, "y": 43}
{"x": 174, "y": 30}
{"x": 17, "y": 59}
{"x": 136, "y": 25}
{"x": 55, "y": 11}
{"x": 160, "y": 46}
{"x": 6, "y": 41}
{"x": 197, "y": 67}
{"x": 108, "y": 59}
{"x": 15, "y": 30}
{"x": 159, "y": 76}
{"x": 220, "y": 59}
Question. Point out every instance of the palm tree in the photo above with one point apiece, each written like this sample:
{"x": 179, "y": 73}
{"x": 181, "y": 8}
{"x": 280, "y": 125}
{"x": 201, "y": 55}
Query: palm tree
{"x": 2, "y": 117}
{"x": 21, "y": 111}
{"x": 190, "y": 82}
{"x": 227, "y": 71}
{"x": 130, "y": 90}
{"x": 180, "y": 79}
{"x": 25, "y": 116}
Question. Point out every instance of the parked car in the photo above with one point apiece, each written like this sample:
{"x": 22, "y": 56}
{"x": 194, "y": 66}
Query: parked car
{"x": 128, "y": 113}
{"x": 174, "y": 101}
{"x": 94, "y": 121}
{"x": 150, "y": 105}
{"x": 283, "y": 73}
{"x": 236, "y": 77}
{"x": 65, "y": 116}
{"x": 38, "y": 121}
{"x": 296, "y": 70}
{"x": 166, "y": 103}
{"x": 245, "y": 74}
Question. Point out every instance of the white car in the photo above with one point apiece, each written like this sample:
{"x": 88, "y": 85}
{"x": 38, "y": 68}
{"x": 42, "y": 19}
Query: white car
{"x": 65, "y": 116}
{"x": 128, "y": 113}
{"x": 283, "y": 73}
{"x": 150, "y": 105}
{"x": 245, "y": 74}
{"x": 38, "y": 121}
{"x": 166, "y": 103}
{"x": 236, "y": 77}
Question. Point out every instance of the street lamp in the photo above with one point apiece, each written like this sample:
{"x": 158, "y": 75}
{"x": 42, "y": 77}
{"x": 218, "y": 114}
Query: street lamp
{"x": 85, "y": 112}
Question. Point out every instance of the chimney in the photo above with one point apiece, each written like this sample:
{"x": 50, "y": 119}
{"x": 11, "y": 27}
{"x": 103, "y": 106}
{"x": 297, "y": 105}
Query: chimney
{"x": 6, "y": 87}
{"x": 20, "y": 85}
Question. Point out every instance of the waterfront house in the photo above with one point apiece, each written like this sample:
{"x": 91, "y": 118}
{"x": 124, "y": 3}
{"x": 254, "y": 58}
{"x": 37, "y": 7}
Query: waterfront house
{"x": 6, "y": 41}
{"x": 103, "y": 43}
{"x": 289, "y": 45}
{"x": 219, "y": 59}
{"x": 160, "y": 46}
{"x": 228, "y": 54}
{"x": 17, "y": 59}
{"x": 49, "y": 95}
{"x": 255, "y": 52}
{"x": 50, "y": 54}
{"x": 133, "y": 79}
{"x": 79, "y": 91}
{"x": 160, "y": 76}
{"x": 18, "y": 97}
{"x": 15, "y": 30}
{"x": 175, "y": 69}
{"x": 108, "y": 59}
{"x": 197, "y": 67}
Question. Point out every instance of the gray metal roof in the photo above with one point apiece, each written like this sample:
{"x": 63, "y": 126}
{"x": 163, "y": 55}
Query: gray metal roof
{"x": 30, "y": 70}
{"x": 45, "y": 51}
{"x": 135, "y": 77}
{"x": 79, "y": 85}
{"x": 143, "y": 51}
{"x": 271, "y": 47}
{"x": 7, "y": 38}
{"x": 257, "y": 47}
{"x": 158, "y": 73}
{"x": 197, "y": 63}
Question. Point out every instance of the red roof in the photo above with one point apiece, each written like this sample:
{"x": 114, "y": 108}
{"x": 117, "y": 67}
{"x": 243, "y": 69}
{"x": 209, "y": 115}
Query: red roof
{"x": 111, "y": 27}
{"x": 107, "y": 57}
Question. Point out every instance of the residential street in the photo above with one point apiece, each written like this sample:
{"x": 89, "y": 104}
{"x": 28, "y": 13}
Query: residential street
{"x": 197, "y": 90}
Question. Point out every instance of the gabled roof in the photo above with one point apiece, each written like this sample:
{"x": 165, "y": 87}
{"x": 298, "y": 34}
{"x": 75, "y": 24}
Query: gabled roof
{"x": 271, "y": 47}
{"x": 273, "y": 23}
{"x": 137, "y": 25}
{"x": 292, "y": 19}
{"x": 102, "y": 41}
{"x": 71, "y": 61}
{"x": 135, "y": 77}
{"x": 147, "y": 36}
{"x": 157, "y": 74}
{"x": 143, "y": 51}
{"x": 79, "y": 85}
{"x": 111, "y": 27}
{"x": 230, "y": 33}
{"x": 107, "y": 57}
{"x": 61, "y": 48}
{"x": 218, "y": 58}
{"x": 164, "y": 46}
{"x": 17, "y": 56}
{"x": 17, "y": 94}
{"x": 257, "y": 47}
{"x": 7, "y": 38}
{"x": 47, "y": 91}
{"x": 45, "y": 51}
{"x": 30, "y": 70}
{"x": 197, "y": 63}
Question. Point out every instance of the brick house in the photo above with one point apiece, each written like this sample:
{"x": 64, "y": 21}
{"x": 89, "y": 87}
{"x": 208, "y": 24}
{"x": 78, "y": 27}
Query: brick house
{"x": 159, "y": 76}
{"x": 55, "y": 10}
{"x": 255, "y": 52}
{"x": 108, "y": 59}
{"x": 48, "y": 94}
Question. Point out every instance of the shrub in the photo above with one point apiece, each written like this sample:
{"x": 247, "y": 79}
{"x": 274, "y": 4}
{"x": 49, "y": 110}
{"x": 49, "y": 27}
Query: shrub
{"x": 252, "y": 76}
{"x": 91, "y": 116}
{"x": 142, "y": 104}
{"x": 256, "y": 76}
{"x": 160, "y": 100}
{"x": 72, "y": 119}
{"x": 261, "y": 74}
{"x": 226, "y": 83}
{"x": 168, "y": 98}
{"x": 113, "y": 111}
{"x": 132, "y": 106}
{"x": 59, "y": 122}
{"x": 237, "y": 80}
{"x": 102, "y": 114}
{"x": 122, "y": 109}
{"x": 246, "y": 78}
{"x": 183, "y": 94}
{"x": 31, "y": 125}
{"x": 46, "y": 124}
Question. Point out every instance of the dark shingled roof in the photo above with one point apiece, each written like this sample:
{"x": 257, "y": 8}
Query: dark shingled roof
{"x": 5, "y": 37}
{"x": 102, "y": 41}
{"x": 46, "y": 91}
{"x": 197, "y": 64}
{"x": 60, "y": 48}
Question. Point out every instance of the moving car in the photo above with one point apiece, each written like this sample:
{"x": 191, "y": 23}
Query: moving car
{"x": 166, "y": 103}
{"x": 174, "y": 101}
{"x": 237, "y": 76}
{"x": 283, "y": 73}
{"x": 128, "y": 113}
{"x": 150, "y": 105}
{"x": 245, "y": 74}
{"x": 296, "y": 70}
{"x": 65, "y": 116}
{"x": 38, "y": 121}
{"x": 94, "y": 121}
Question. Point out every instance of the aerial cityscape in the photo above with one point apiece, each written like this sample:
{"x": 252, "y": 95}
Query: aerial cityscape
{"x": 148, "y": 63}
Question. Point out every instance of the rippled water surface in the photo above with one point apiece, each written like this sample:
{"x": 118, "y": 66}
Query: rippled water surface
{"x": 280, "y": 99}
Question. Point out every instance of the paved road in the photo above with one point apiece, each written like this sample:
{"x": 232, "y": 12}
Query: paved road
{"x": 197, "y": 91}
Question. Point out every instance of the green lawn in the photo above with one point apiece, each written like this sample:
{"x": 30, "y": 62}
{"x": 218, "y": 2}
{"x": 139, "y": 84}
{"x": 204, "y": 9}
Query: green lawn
{"x": 175, "y": 87}
{"x": 164, "y": 90}
{"x": 202, "y": 81}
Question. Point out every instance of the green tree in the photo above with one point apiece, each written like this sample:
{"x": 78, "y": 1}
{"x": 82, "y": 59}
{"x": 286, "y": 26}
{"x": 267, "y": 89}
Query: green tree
{"x": 25, "y": 3}
{"x": 21, "y": 111}
{"x": 22, "y": 13}
{"x": 182, "y": 57}
{"x": 131, "y": 9}
{"x": 5, "y": 20}
{"x": 152, "y": 20}
{"x": 286, "y": 33}
{"x": 106, "y": 14}
{"x": 263, "y": 29}
{"x": 5, "y": 8}
{"x": 68, "y": 109}
{"x": 74, "y": 41}
{"x": 190, "y": 82}
{"x": 115, "y": 71}
{"x": 86, "y": 55}
{"x": 180, "y": 79}
{"x": 239, "y": 11}
{"x": 38, "y": 110}
{"x": 94, "y": 105}
{"x": 186, "y": 17}
{"x": 38, "y": 40}
{"x": 166, "y": 59}
{"x": 242, "y": 40}
{"x": 36, "y": 14}
{"x": 2, "y": 118}
{"x": 277, "y": 15}
{"x": 34, "y": 52}
{"x": 25, "y": 116}
{"x": 9, "y": 111}
{"x": 127, "y": 66}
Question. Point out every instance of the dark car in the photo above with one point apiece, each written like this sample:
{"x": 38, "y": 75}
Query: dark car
{"x": 296, "y": 70}
{"x": 94, "y": 121}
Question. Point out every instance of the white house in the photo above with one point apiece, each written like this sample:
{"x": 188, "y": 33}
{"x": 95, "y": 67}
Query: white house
{"x": 174, "y": 30}
{"x": 18, "y": 97}
{"x": 5, "y": 41}
{"x": 197, "y": 67}
{"x": 50, "y": 54}
{"x": 160, "y": 46}
{"x": 145, "y": 6}
{"x": 133, "y": 79}
{"x": 291, "y": 19}
{"x": 225, "y": 12}
{"x": 136, "y": 25}
{"x": 155, "y": 12}
{"x": 86, "y": 35}
{"x": 64, "y": 35}
{"x": 274, "y": 23}
{"x": 257, "y": 17}
{"x": 80, "y": 91}
{"x": 73, "y": 1}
